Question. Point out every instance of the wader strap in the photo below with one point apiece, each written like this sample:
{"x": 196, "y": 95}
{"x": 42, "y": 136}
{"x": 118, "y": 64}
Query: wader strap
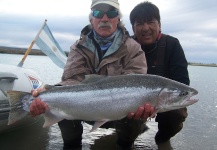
{"x": 158, "y": 67}
{"x": 161, "y": 51}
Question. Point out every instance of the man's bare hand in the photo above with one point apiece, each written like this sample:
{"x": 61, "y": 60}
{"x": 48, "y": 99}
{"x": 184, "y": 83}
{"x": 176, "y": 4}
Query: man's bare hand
{"x": 37, "y": 106}
{"x": 143, "y": 112}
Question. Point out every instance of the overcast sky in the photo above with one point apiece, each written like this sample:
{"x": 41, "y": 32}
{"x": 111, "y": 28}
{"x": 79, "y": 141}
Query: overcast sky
{"x": 193, "y": 22}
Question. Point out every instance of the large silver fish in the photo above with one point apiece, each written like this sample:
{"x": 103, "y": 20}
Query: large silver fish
{"x": 105, "y": 98}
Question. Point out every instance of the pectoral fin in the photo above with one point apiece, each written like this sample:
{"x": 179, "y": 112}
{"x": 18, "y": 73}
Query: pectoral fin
{"x": 50, "y": 119}
{"x": 98, "y": 124}
{"x": 154, "y": 113}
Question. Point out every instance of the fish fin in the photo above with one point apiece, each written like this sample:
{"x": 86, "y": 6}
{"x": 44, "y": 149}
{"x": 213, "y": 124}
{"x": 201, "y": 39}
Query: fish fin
{"x": 50, "y": 118}
{"x": 47, "y": 86}
{"x": 15, "y": 97}
{"x": 154, "y": 113}
{"x": 16, "y": 115}
{"x": 98, "y": 124}
{"x": 16, "y": 101}
{"x": 92, "y": 78}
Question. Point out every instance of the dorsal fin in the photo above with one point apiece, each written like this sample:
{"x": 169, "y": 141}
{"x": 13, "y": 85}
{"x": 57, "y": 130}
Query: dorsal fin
{"x": 92, "y": 78}
{"x": 47, "y": 86}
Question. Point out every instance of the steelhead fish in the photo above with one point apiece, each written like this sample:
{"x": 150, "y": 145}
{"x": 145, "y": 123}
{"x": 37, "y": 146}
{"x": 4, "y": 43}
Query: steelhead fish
{"x": 104, "y": 98}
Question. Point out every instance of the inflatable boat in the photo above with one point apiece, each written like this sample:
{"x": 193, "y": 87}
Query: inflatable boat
{"x": 17, "y": 79}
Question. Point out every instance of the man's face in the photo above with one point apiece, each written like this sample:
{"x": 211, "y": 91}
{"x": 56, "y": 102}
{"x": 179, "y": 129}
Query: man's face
{"x": 104, "y": 24}
{"x": 146, "y": 32}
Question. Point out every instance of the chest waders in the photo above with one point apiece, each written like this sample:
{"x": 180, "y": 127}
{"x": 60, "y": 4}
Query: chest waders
{"x": 158, "y": 66}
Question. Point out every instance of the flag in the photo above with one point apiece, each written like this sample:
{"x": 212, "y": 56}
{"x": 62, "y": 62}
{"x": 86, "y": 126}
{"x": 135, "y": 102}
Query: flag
{"x": 48, "y": 45}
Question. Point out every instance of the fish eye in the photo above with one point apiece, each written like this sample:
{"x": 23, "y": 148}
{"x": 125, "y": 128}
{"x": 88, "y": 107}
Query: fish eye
{"x": 184, "y": 93}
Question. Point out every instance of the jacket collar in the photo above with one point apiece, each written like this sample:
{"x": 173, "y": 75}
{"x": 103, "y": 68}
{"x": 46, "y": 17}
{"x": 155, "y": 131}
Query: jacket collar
{"x": 87, "y": 42}
{"x": 90, "y": 49}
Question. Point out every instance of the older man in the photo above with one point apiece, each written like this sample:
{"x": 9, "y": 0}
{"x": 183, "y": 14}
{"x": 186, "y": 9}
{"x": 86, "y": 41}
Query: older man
{"x": 104, "y": 48}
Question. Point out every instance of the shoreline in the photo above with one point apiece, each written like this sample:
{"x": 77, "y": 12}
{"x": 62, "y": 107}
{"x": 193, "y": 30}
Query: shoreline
{"x": 21, "y": 51}
{"x": 202, "y": 65}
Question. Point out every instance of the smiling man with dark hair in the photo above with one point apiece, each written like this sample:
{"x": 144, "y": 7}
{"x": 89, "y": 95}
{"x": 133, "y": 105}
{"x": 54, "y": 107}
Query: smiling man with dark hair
{"x": 165, "y": 57}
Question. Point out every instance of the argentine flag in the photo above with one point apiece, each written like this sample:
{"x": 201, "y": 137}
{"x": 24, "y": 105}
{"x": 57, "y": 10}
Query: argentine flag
{"x": 48, "y": 45}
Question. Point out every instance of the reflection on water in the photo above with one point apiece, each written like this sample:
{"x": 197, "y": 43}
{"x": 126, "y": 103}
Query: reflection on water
{"x": 33, "y": 137}
{"x": 144, "y": 142}
{"x": 199, "y": 132}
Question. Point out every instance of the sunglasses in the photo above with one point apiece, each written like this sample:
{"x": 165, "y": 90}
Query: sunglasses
{"x": 100, "y": 14}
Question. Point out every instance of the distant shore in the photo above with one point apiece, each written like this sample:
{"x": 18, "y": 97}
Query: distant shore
{"x": 200, "y": 64}
{"x": 21, "y": 51}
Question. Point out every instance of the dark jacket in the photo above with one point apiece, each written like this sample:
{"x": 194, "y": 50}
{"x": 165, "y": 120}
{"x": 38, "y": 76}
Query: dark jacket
{"x": 166, "y": 58}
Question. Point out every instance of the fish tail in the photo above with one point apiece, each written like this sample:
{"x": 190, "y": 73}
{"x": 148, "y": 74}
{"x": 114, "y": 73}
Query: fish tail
{"x": 19, "y": 104}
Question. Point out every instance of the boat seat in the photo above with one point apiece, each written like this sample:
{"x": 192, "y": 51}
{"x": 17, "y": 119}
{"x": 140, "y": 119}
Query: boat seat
{"x": 8, "y": 75}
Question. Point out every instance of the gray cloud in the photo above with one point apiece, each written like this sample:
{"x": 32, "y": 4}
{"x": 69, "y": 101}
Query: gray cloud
{"x": 193, "y": 22}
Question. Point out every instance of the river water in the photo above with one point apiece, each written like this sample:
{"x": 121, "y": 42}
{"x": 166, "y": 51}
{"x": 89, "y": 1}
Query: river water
{"x": 199, "y": 132}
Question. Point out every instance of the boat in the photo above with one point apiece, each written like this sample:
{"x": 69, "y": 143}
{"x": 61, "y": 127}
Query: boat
{"x": 17, "y": 79}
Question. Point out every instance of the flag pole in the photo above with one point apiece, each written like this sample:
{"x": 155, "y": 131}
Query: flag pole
{"x": 31, "y": 45}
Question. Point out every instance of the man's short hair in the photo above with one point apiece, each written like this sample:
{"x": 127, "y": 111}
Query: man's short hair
{"x": 143, "y": 12}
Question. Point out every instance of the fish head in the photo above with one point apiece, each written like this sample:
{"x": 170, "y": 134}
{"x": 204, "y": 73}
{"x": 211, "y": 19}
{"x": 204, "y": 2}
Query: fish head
{"x": 176, "y": 98}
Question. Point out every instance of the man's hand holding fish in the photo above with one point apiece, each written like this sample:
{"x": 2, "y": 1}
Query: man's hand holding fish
{"x": 37, "y": 107}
